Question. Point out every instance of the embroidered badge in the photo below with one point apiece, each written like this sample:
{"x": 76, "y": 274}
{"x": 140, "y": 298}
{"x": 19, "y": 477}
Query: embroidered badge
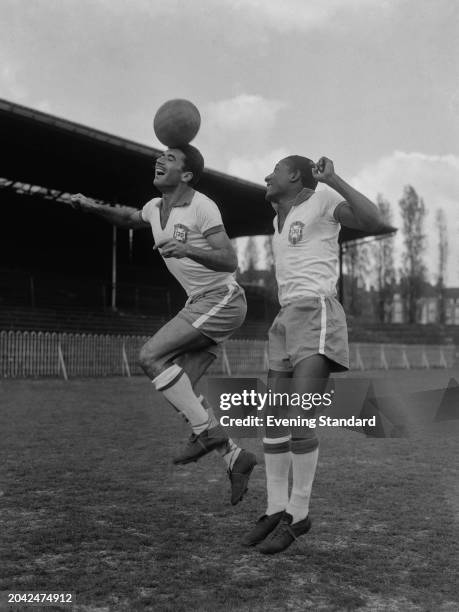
{"x": 295, "y": 233}
{"x": 180, "y": 232}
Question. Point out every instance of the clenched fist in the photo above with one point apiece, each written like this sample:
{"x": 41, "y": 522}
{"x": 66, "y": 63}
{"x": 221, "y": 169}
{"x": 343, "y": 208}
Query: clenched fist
{"x": 323, "y": 171}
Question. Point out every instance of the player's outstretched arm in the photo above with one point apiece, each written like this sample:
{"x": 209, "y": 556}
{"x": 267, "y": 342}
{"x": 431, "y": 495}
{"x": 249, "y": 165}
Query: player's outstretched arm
{"x": 221, "y": 257}
{"x": 356, "y": 211}
{"x": 122, "y": 216}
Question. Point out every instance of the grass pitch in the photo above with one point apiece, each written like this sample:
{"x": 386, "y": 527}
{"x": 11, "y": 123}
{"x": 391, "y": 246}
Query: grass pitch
{"x": 91, "y": 504}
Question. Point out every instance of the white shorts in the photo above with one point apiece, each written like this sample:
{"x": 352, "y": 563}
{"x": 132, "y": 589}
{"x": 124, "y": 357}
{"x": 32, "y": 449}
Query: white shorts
{"x": 306, "y": 327}
{"x": 217, "y": 313}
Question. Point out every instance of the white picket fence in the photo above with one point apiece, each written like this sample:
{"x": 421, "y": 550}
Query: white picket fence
{"x": 26, "y": 354}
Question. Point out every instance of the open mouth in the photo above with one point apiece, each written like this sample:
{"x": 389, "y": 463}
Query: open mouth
{"x": 159, "y": 171}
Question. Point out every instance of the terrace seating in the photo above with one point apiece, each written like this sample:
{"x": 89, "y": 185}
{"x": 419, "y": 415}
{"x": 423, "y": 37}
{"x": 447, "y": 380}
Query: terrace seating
{"x": 78, "y": 321}
{"x": 99, "y": 322}
{"x": 79, "y": 305}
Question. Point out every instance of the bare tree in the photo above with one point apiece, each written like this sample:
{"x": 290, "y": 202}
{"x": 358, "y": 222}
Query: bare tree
{"x": 269, "y": 253}
{"x": 443, "y": 252}
{"x": 271, "y": 283}
{"x": 413, "y": 270}
{"x": 251, "y": 254}
{"x": 257, "y": 261}
{"x": 357, "y": 265}
{"x": 383, "y": 253}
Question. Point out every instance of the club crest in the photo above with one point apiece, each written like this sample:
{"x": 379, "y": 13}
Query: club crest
{"x": 295, "y": 233}
{"x": 180, "y": 232}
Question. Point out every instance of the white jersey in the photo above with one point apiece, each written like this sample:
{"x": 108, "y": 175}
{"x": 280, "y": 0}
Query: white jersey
{"x": 191, "y": 220}
{"x": 306, "y": 250}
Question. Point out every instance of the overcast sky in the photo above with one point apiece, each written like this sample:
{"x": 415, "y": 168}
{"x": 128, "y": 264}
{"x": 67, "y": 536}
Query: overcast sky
{"x": 373, "y": 84}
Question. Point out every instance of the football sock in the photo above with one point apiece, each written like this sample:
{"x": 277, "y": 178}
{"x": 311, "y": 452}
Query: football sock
{"x": 277, "y": 465}
{"x": 230, "y": 451}
{"x": 175, "y": 385}
{"x": 304, "y": 464}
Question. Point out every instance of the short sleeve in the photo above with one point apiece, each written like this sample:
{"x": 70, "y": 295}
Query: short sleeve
{"x": 146, "y": 211}
{"x": 208, "y": 217}
{"x": 330, "y": 201}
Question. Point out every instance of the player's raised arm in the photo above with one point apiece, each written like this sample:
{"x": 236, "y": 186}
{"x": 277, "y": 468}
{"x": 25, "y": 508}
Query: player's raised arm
{"x": 122, "y": 216}
{"x": 356, "y": 211}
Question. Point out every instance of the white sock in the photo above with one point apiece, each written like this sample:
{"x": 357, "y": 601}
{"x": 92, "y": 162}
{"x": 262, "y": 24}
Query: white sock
{"x": 304, "y": 469}
{"x": 277, "y": 470}
{"x": 230, "y": 451}
{"x": 175, "y": 385}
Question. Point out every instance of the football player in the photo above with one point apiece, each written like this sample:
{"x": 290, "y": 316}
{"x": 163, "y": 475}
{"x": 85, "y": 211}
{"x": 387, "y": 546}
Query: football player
{"x": 189, "y": 234}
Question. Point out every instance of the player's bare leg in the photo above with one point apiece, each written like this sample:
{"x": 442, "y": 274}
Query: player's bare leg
{"x": 156, "y": 359}
{"x": 309, "y": 376}
{"x": 239, "y": 462}
{"x": 174, "y": 338}
{"x": 169, "y": 373}
{"x": 195, "y": 364}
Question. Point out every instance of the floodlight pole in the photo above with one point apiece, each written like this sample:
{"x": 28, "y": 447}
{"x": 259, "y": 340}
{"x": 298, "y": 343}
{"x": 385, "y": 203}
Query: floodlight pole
{"x": 113, "y": 292}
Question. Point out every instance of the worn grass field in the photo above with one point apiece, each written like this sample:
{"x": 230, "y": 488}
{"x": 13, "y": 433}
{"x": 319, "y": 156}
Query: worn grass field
{"x": 90, "y": 503}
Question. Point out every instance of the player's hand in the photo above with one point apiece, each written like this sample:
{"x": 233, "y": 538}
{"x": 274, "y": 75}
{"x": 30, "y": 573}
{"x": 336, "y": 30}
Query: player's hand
{"x": 323, "y": 171}
{"x": 81, "y": 203}
{"x": 172, "y": 248}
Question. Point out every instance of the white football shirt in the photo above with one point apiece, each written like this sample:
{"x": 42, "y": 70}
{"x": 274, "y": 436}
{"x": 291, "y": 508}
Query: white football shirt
{"x": 192, "y": 219}
{"x": 306, "y": 250}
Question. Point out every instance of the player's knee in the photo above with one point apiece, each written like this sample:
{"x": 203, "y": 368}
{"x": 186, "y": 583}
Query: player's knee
{"x": 149, "y": 360}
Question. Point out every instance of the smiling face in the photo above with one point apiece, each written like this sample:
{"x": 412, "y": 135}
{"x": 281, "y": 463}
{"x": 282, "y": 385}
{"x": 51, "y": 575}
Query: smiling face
{"x": 170, "y": 170}
{"x": 279, "y": 182}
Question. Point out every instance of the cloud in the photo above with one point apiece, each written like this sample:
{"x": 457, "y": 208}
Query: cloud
{"x": 436, "y": 180}
{"x": 44, "y": 106}
{"x": 282, "y": 16}
{"x": 10, "y": 86}
{"x": 12, "y": 89}
{"x": 300, "y": 15}
{"x": 454, "y": 104}
{"x": 255, "y": 168}
{"x": 144, "y": 7}
{"x": 249, "y": 20}
{"x": 244, "y": 112}
{"x": 236, "y": 133}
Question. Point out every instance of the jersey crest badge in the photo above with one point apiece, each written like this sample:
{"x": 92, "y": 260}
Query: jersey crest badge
{"x": 180, "y": 232}
{"x": 295, "y": 233}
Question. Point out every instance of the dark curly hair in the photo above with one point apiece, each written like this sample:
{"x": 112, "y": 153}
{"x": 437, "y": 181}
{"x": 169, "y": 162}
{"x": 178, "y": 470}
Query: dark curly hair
{"x": 304, "y": 165}
{"x": 193, "y": 162}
